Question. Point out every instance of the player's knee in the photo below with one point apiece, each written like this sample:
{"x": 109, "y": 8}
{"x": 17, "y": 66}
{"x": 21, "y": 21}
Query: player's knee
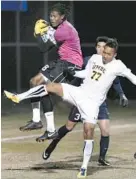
{"x": 54, "y": 88}
{"x": 104, "y": 127}
{"x": 33, "y": 82}
{"x": 36, "y": 80}
{"x": 88, "y": 131}
{"x": 105, "y": 132}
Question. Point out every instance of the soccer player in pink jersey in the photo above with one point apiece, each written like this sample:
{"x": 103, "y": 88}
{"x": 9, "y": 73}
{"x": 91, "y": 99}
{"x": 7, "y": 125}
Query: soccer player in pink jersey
{"x": 64, "y": 37}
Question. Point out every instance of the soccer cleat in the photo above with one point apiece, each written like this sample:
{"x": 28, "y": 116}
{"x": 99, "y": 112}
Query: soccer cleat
{"x": 11, "y": 96}
{"x": 46, "y": 154}
{"x": 47, "y": 135}
{"x": 103, "y": 162}
{"x": 82, "y": 173}
{"x": 31, "y": 126}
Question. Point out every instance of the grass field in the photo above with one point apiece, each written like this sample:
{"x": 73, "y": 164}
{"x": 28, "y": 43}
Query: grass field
{"x": 21, "y": 154}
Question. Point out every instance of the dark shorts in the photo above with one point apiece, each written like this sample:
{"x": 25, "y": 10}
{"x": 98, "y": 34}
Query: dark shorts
{"x": 54, "y": 71}
{"x": 75, "y": 116}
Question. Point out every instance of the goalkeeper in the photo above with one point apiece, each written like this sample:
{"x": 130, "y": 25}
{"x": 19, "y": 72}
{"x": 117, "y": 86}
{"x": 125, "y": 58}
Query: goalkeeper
{"x": 64, "y": 37}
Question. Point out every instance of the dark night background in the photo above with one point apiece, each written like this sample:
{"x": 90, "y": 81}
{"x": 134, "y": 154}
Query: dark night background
{"x": 91, "y": 19}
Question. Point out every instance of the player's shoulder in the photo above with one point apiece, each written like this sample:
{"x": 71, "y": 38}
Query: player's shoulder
{"x": 118, "y": 61}
{"x": 96, "y": 57}
{"x": 66, "y": 25}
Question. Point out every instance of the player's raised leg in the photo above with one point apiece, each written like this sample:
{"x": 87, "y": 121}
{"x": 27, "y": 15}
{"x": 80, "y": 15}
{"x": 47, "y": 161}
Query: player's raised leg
{"x": 73, "y": 119}
{"x": 62, "y": 131}
{"x": 38, "y": 91}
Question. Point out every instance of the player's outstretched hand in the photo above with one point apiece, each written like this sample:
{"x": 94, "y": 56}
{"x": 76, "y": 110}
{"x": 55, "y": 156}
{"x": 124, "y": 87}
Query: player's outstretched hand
{"x": 69, "y": 71}
{"x": 41, "y": 27}
{"x": 123, "y": 100}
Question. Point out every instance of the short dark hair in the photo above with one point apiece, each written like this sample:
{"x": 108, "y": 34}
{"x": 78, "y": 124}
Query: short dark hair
{"x": 62, "y": 9}
{"x": 101, "y": 39}
{"x": 112, "y": 43}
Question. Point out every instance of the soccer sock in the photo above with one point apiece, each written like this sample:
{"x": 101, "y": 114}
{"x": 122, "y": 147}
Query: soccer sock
{"x": 104, "y": 144}
{"x": 48, "y": 112}
{"x": 37, "y": 91}
{"x": 50, "y": 121}
{"x": 62, "y": 132}
{"x": 35, "y": 102}
{"x": 88, "y": 149}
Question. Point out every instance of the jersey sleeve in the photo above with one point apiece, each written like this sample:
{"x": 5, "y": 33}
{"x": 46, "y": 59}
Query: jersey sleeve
{"x": 117, "y": 86}
{"x": 84, "y": 73}
{"x": 126, "y": 72}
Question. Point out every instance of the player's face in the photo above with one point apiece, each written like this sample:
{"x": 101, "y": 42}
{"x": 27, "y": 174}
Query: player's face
{"x": 55, "y": 18}
{"x": 108, "y": 54}
{"x": 100, "y": 48}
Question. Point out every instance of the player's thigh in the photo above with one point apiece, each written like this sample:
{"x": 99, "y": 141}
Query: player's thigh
{"x": 103, "y": 113}
{"x": 54, "y": 72}
{"x": 74, "y": 115}
{"x": 89, "y": 111}
{"x": 76, "y": 96}
{"x": 72, "y": 94}
{"x": 88, "y": 130}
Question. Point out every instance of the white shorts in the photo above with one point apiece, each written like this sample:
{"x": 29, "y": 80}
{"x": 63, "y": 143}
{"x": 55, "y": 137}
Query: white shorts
{"x": 87, "y": 107}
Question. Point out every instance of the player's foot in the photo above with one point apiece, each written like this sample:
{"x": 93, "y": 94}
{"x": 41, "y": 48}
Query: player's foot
{"x": 82, "y": 173}
{"x": 103, "y": 162}
{"x": 47, "y": 135}
{"x": 31, "y": 126}
{"x": 46, "y": 154}
{"x": 135, "y": 155}
{"x": 13, "y": 97}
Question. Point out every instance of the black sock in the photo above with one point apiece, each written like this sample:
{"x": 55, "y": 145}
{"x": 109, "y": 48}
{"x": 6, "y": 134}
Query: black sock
{"x": 62, "y": 132}
{"x": 47, "y": 104}
{"x": 104, "y": 144}
{"x": 33, "y": 100}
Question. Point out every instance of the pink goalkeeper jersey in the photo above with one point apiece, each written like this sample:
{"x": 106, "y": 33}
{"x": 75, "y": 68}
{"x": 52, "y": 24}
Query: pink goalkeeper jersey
{"x": 70, "y": 49}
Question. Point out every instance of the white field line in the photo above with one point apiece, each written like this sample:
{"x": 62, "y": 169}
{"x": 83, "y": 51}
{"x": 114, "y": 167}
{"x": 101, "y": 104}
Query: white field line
{"x": 75, "y": 131}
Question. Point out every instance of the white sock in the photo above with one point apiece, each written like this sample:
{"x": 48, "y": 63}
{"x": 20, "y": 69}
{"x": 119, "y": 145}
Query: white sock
{"x": 36, "y": 111}
{"x": 88, "y": 148}
{"x": 37, "y": 91}
{"x": 50, "y": 121}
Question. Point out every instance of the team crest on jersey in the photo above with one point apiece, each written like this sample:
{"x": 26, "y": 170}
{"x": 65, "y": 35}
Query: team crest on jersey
{"x": 98, "y": 67}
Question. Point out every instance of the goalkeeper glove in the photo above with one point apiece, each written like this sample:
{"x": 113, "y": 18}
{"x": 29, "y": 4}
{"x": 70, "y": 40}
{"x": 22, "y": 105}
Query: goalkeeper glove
{"x": 41, "y": 27}
{"x": 123, "y": 100}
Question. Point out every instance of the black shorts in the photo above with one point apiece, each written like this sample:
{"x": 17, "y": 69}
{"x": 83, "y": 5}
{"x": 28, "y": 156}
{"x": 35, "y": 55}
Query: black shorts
{"x": 75, "y": 116}
{"x": 54, "y": 71}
